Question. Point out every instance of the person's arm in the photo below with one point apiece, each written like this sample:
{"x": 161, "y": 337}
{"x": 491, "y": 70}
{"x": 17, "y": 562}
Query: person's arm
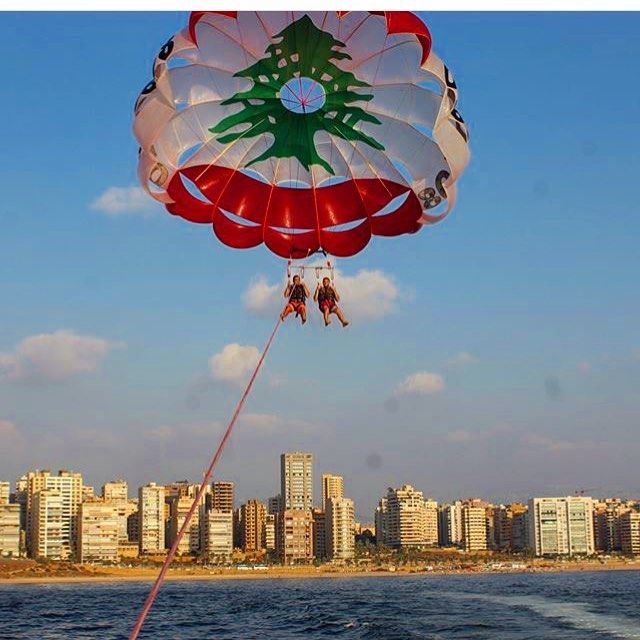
{"x": 316, "y": 292}
{"x": 286, "y": 290}
{"x": 336, "y": 294}
{"x": 306, "y": 289}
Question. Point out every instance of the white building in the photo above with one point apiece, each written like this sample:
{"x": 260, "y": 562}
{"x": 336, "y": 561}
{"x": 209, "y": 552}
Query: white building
{"x": 151, "y": 518}
{"x": 99, "y": 529}
{"x": 48, "y": 527}
{"x": 70, "y": 488}
{"x": 450, "y": 524}
{"x": 9, "y": 529}
{"x": 216, "y": 527}
{"x": 405, "y": 519}
{"x": 561, "y": 526}
{"x": 296, "y": 481}
{"x": 339, "y": 527}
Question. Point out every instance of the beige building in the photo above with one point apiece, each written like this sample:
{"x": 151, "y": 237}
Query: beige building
{"x": 9, "y": 529}
{"x": 5, "y": 491}
{"x": 318, "y": 517}
{"x": 216, "y": 535}
{"x": 151, "y": 507}
{"x": 116, "y": 491}
{"x": 509, "y": 527}
{"x": 222, "y": 496}
{"x": 294, "y": 536}
{"x": 405, "y": 519}
{"x": 252, "y": 519}
{"x": 332, "y": 487}
{"x": 561, "y": 526}
{"x": 296, "y": 481}
{"x": 339, "y": 526}
{"x": 630, "y": 533}
{"x": 179, "y": 507}
{"x": 474, "y": 526}
{"x": 606, "y": 523}
{"x": 269, "y": 532}
{"x": 48, "y": 529}
{"x": 99, "y": 529}
{"x": 69, "y": 485}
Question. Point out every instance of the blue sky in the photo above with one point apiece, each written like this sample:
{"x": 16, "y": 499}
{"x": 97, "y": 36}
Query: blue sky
{"x": 533, "y": 277}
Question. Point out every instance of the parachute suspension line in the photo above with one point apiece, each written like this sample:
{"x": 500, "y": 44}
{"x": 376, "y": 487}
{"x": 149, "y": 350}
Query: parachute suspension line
{"x": 205, "y": 481}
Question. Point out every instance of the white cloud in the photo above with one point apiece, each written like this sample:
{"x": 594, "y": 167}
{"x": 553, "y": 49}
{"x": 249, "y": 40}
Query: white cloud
{"x": 234, "y": 363}
{"x": 461, "y": 359}
{"x": 261, "y": 297}
{"x": 269, "y": 423}
{"x": 9, "y": 432}
{"x": 117, "y": 201}
{"x": 53, "y": 357}
{"x": 368, "y": 295}
{"x": 421, "y": 383}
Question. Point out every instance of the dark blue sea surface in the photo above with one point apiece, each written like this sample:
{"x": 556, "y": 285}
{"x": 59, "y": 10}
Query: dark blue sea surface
{"x": 576, "y": 606}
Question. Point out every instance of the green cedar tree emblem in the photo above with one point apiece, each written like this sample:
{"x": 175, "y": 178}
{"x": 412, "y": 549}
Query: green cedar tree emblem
{"x": 298, "y": 91}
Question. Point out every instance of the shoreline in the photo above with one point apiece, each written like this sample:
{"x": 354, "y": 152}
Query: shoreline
{"x": 150, "y": 576}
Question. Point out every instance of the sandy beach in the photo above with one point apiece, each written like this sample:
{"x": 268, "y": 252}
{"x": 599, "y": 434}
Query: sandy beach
{"x": 84, "y": 574}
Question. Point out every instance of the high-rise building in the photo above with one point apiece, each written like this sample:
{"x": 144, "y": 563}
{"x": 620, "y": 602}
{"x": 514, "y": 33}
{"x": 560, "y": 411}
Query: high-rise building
{"x": 151, "y": 537}
{"x": 116, "y": 490}
{"x": 630, "y": 533}
{"x": 216, "y": 535}
{"x": 294, "y": 536}
{"x": 332, "y": 487}
{"x": 222, "y": 498}
{"x": 179, "y": 507}
{"x": 48, "y": 529}
{"x": 296, "y": 481}
{"x": 5, "y": 490}
{"x": 9, "y": 529}
{"x": 269, "y": 532}
{"x": 98, "y": 531}
{"x": 431, "y": 536}
{"x": 606, "y": 521}
{"x": 561, "y": 526}
{"x": 273, "y": 505}
{"x": 339, "y": 526}
{"x": 69, "y": 485}
{"x": 380, "y": 521}
{"x": 405, "y": 519}
{"x": 252, "y": 519}
{"x": 509, "y": 527}
{"x": 474, "y": 526}
{"x": 450, "y": 524}
{"x": 319, "y": 534}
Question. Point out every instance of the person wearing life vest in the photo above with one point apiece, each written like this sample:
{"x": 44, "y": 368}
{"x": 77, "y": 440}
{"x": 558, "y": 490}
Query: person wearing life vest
{"x": 327, "y": 298}
{"x": 297, "y": 293}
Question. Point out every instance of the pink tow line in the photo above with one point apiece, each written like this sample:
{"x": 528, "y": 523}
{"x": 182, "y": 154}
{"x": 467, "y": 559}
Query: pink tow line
{"x": 205, "y": 481}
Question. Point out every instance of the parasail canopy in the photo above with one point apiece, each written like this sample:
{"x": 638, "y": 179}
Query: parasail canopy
{"x": 302, "y": 130}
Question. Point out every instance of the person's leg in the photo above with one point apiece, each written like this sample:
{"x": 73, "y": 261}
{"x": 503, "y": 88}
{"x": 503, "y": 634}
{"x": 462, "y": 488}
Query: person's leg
{"x": 286, "y": 311}
{"x": 302, "y": 310}
{"x": 338, "y": 311}
{"x": 325, "y": 314}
